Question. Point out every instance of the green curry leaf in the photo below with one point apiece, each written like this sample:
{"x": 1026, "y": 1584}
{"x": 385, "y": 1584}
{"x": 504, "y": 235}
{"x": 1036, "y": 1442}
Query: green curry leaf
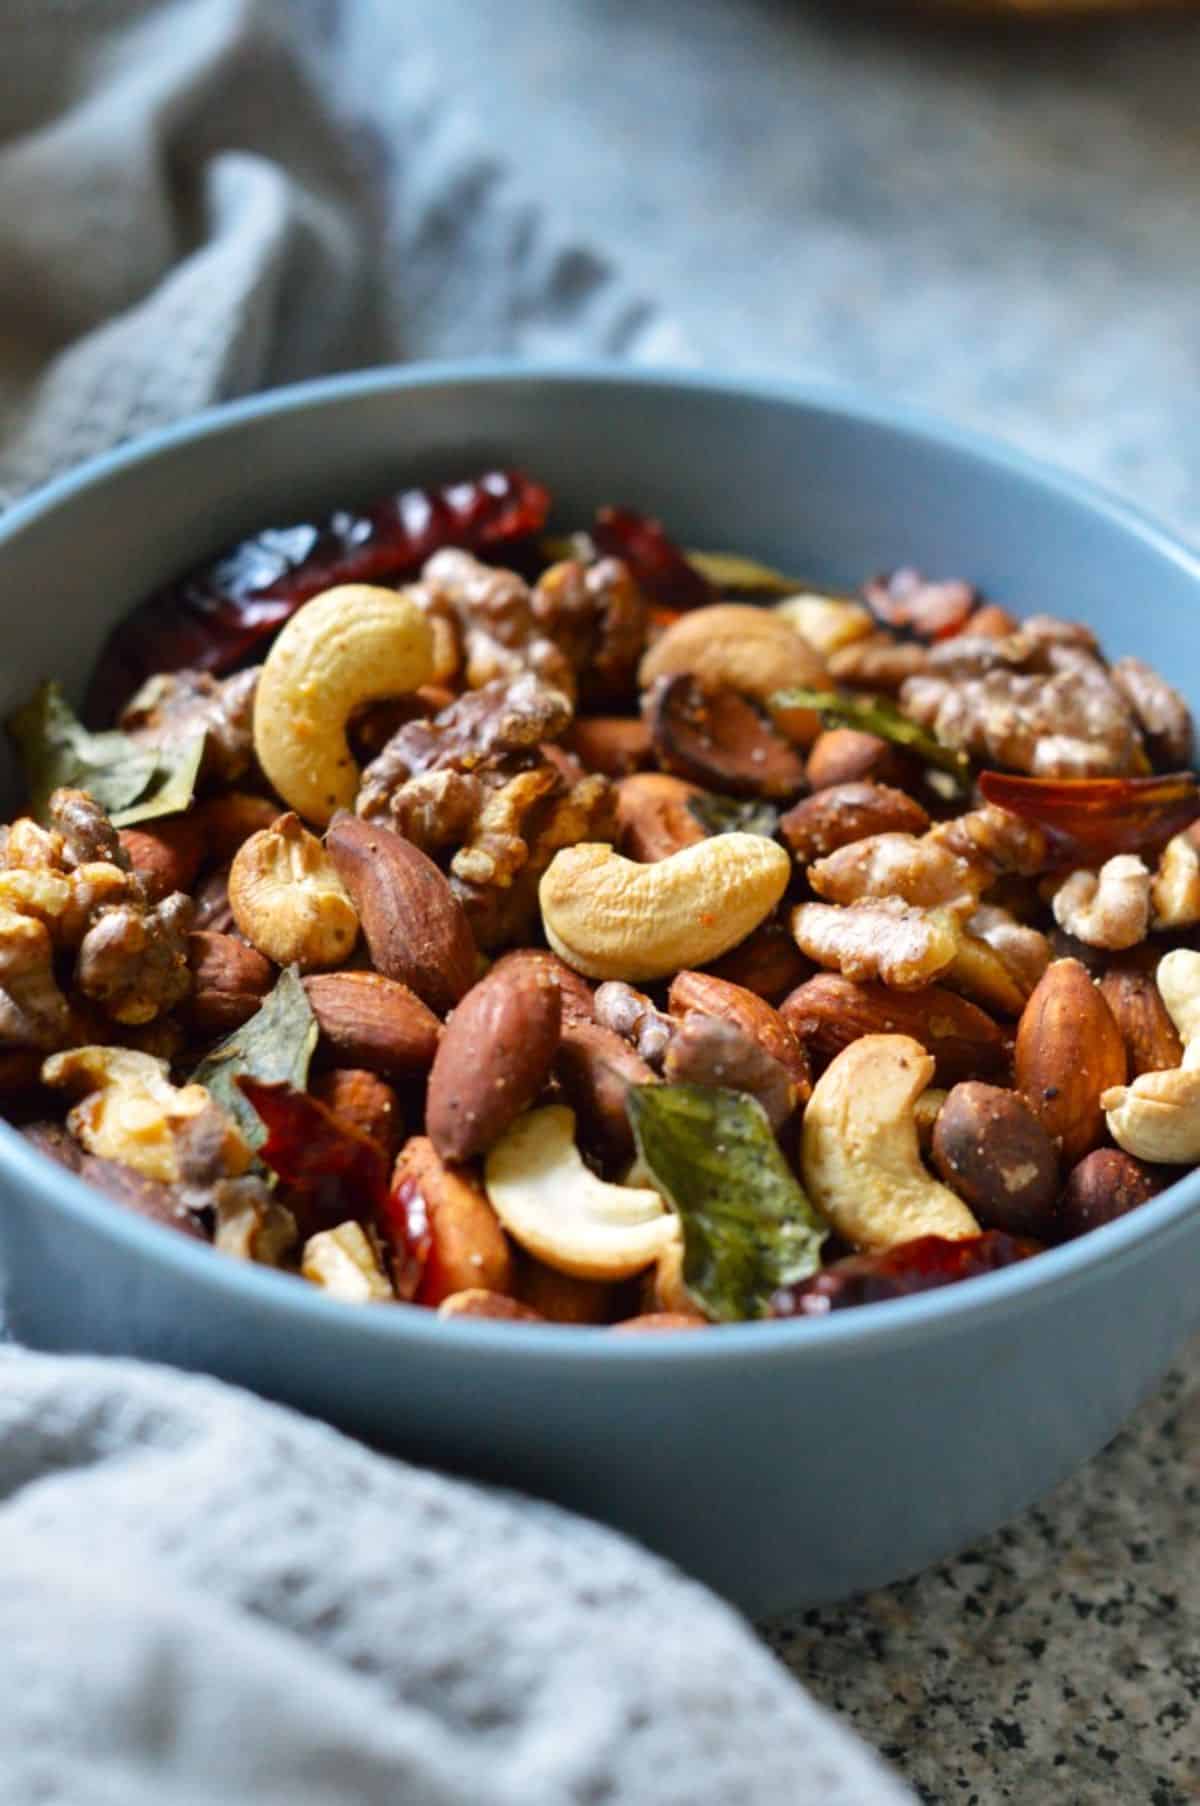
{"x": 729, "y": 572}
{"x": 275, "y": 1045}
{"x": 732, "y": 815}
{"x": 748, "y": 1227}
{"x": 877, "y": 715}
{"x": 132, "y": 781}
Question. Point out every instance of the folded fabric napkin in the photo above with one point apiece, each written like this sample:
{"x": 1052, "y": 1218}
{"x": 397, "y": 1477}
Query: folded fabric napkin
{"x": 204, "y": 1598}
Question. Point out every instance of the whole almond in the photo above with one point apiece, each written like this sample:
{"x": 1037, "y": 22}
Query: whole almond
{"x": 1069, "y": 1051}
{"x": 375, "y": 1022}
{"x": 843, "y": 813}
{"x": 595, "y": 1068}
{"x": 413, "y": 924}
{"x": 225, "y": 822}
{"x": 562, "y": 1297}
{"x": 828, "y": 1013}
{"x": 1106, "y": 1184}
{"x": 711, "y": 996}
{"x": 768, "y": 962}
{"x": 614, "y": 744}
{"x": 653, "y": 818}
{"x": 843, "y": 755}
{"x": 229, "y": 981}
{"x": 363, "y": 1099}
{"x": 165, "y": 855}
{"x": 483, "y": 1304}
{"x": 1151, "y": 1038}
{"x": 468, "y": 1249}
{"x": 495, "y": 1055}
{"x": 578, "y": 1004}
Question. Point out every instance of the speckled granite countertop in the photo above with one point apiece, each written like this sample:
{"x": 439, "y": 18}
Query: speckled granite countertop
{"x": 1002, "y": 226}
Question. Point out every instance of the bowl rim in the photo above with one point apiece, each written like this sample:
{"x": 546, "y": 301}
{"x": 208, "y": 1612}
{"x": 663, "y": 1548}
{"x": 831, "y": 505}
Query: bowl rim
{"x": 1064, "y": 1269}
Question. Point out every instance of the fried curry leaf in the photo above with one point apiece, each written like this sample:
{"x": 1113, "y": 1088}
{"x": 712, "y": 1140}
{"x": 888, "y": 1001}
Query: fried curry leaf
{"x": 748, "y": 1227}
{"x": 733, "y": 815}
{"x": 133, "y": 782}
{"x": 732, "y": 574}
{"x": 173, "y": 787}
{"x": 274, "y": 1046}
{"x": 877, "y": 715}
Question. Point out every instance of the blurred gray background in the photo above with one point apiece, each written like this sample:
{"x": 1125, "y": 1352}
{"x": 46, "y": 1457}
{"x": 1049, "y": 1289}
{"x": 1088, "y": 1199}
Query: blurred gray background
{"x": 999, "y": 223}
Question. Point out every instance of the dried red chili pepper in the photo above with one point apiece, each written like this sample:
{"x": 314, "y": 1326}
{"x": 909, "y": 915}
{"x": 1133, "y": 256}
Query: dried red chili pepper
{"x": 917, "y": 1266}
{"x": 212, "y": 618}
{"x": 408, "y": 1233}
{"x": 931, "y": 611}
{"x": 335, "y": 1170}
{"x": 1095, "y": 818}
{"x": 660, "y": 567}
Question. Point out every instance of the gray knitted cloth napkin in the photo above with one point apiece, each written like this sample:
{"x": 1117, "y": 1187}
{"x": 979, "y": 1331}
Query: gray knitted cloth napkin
{"x": 204, "y": 1598}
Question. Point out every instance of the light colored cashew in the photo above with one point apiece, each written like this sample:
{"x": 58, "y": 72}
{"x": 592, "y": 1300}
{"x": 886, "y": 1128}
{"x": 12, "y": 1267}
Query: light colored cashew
{"x": 861, "y": 1159}
{"x": 825, "y": 622}
{"x": 557, "y": 1209}
{"x": 1157, "y": 1118}
{"x": 349, "y": 645}
{"x": 610, "y": 918}
{"x": 1175, "y": 892}
{"x": 343, "y": 1263}
{"x": 1178, "y": 981}
{"x": 288, "y": 900}
{"x": 733, "y": 645}
{"x": 130, "y": 1110}
{"x": 1109, "y": 908}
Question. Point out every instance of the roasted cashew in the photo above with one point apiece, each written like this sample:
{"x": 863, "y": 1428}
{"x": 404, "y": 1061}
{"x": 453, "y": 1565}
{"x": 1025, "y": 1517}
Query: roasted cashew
{"x": 288, "y": 900}
{"x": 1157, "y": 1118}
{"x": 733, "y": 645}
{"x": 860, "y": 1153}
{"x": 349, "y": 645}
{"x": 557, "y": 1209}
{"x": 827, "y": 622}
{"x": 344, "y": 1263}
{"x": 610, "y": 918}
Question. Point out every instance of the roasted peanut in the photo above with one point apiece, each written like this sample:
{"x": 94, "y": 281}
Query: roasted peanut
{"x": 990, "y": 1148}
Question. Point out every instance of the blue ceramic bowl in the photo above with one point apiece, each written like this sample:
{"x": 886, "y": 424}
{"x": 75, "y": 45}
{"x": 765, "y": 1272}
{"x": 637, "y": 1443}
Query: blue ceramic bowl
{"x": 785, "y": 1463}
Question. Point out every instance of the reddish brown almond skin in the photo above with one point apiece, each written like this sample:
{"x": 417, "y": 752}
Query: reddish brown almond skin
{"x": 469, "y": 1250}
{"x": 713, "y": 996}
{"x": 363, "y": 1099}
{"x": 829, "y": 1012}
{"x": 578, "y": 1003}
{"x": 1105, "y": 1185}
{"x": 480, "y": 1303}
{"x": 1069, "y": 1051}
{"x": 415, "y": 927}
{"x": 495, "y": 1055}
{"x": 768, "y": 962}
{"x": 844, "y": 755}
{"x": 226, "y": 822}
{"x": 613, "y": 744}
{"x": 653, "y": 818}
{"x": 165, "y": 855}
{"x": 650, "y": 1322}
{"x": 560, "y": 1297}
{"x": 595, "y": 1068}
{"x": 991, "y": 1149}
{"x": 1151, "y": 1038}
{"x": 374, "y": 1022}
{"x": 229, "y": 981}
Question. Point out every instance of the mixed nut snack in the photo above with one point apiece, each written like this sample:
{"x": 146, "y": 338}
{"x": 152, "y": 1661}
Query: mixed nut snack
{"x": 592, "y": 932}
